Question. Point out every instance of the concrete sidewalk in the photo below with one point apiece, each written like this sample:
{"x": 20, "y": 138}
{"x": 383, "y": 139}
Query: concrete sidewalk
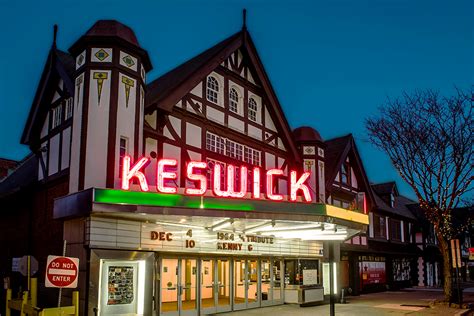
{"x": 385, "y": 303}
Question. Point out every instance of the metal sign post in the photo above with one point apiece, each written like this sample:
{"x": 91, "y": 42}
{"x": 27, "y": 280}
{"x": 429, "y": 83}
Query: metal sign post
{"x": 61, "y": 289}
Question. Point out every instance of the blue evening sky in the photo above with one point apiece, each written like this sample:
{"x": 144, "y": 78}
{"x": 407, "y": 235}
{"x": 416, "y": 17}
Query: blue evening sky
{"x": 331, "y": 63}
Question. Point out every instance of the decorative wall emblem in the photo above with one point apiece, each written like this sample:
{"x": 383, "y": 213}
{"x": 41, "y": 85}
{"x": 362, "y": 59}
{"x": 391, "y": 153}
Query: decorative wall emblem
{"x": 128, "y": 84}
{"x": 100, "y": 77}
{"x": 101, "y": 54}
{"x": 80, "y": 60}
{"x": 308, "y": 164}
{"x": 309, "y": 150}
{"x": 79, "y": 81}
{"x": 128, "y": 61}
{"x": 320, "y": 152}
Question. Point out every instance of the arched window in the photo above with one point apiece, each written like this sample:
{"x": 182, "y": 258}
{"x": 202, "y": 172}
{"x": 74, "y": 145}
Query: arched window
{"x": 212, "y": 89}
{"x": 253, "y": 110}
{"x": 233, "y": 101}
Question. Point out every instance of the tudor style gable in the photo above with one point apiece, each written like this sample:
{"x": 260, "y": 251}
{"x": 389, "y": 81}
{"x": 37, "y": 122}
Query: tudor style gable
{"x": 347, "y": 185}
{"x": 48, "y": 127}
{"x": 219, "y": 107}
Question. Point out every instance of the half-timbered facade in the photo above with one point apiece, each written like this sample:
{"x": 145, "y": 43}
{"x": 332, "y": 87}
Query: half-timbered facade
{"x": 187, "y": 195}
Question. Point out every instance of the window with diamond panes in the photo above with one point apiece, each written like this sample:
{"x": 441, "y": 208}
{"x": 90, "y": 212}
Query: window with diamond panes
{"x": 212, "y": 89}
{"x": 234, "y": 150}
{"x": 69, "y": 108}
{"x": 210, "y": 173}
{"x": 252, "y": 156}
{"x": 57, "y": 116}
{"x": 233, "y": 101}
{"x": 253, "y": 109}
{"x": 215, "y": 143}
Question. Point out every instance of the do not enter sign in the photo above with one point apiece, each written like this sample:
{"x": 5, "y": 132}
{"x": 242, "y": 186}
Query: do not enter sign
{"x": 62, "y": 272}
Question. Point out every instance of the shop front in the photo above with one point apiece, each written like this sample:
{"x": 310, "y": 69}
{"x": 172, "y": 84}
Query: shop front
{"x": 187, "y": 255}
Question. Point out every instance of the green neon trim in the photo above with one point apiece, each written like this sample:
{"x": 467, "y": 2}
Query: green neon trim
{"x": 135, "y": 198}
{"x": 171, "y": 200}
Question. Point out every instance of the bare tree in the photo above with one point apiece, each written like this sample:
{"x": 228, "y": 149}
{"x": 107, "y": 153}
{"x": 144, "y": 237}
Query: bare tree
{"x": 429, "y": 139}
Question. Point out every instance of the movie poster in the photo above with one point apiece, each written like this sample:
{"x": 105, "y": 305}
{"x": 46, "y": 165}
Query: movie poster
{"x": 120, "y": 285}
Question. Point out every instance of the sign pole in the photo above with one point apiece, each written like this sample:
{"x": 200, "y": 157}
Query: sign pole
{"x": 61, "y": 289}
{"x": 332, "y": 301}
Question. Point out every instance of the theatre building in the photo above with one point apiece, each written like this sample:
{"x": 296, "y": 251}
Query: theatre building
{"x": 187, "y": 195}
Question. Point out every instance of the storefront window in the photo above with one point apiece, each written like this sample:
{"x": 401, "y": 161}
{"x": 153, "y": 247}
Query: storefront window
{"x": 302, "y": 272}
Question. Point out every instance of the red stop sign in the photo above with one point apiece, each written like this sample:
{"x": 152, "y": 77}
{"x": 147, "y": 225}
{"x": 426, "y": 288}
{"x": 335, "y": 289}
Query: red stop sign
{"x": 61, "y": 272}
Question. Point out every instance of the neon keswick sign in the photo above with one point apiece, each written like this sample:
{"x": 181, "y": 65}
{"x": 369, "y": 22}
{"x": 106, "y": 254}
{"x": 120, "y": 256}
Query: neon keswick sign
{"x": 196, "y": 173}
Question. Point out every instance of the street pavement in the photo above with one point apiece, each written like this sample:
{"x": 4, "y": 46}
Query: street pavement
{"x": 407, "y": 302}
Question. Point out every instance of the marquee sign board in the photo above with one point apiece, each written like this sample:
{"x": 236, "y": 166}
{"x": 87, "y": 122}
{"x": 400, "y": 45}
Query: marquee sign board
{"x": 62, "y": 272}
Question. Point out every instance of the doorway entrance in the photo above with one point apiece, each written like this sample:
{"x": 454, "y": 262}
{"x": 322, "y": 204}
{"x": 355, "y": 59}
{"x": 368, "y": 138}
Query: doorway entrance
{"x": 246, "y": 284}
{"x": 178, "y": 279}
{"x": 215, "y": 285}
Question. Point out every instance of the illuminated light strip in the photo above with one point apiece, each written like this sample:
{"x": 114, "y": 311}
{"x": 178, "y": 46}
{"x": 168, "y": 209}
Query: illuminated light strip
{"x": 178, "y": 225}
{"x": 259, "y": 227}
{"x": 222, "y": 224}
{"x": 347, "y": 215}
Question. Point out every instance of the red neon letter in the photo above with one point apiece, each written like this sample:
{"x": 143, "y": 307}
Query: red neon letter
{"x": 128, "y": 174}
{"x": 229, "y": 192}
{"x": 161, "y": 175}
{"x": 270, "y": 174}
{"x": 243, "y": 182}
{"x": 256, "y": 183}
{"x": 299, "y": 185}
{"x": 196, "y": 177}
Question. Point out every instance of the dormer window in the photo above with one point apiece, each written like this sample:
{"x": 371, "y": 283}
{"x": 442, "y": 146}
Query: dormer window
{"x": 345, "y": 173}
{"x": 392, "y": 200}
{"x": 212, "y": 90}
{"x": 233, "y": 101}
{"x": 253, "y": 109}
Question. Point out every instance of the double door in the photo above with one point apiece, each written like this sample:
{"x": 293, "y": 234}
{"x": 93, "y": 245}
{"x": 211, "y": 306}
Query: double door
{"x": 246, "y": 284}
{"x": 215, "y": 285}
{"x": 179, "y": 280}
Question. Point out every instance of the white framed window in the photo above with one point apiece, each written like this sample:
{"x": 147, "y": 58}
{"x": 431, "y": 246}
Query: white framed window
{"x": 215, "y": 143}
{"x": 123, "y": 150}
{"x": 69, "y": 108}
{"x": 252, "y": 156}
{"x": 212, "y": 91}
{"x": 57, "y": 116}
{"x": 233, "y": 101}
{"x": 253, "y": 110}
{"x": 234, "y": 150}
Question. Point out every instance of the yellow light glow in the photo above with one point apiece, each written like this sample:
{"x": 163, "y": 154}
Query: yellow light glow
{"x": 347, "y": 215}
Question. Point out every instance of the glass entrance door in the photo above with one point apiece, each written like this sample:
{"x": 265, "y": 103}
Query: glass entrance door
{"x": 178, "y": 279}
{"x": 277, "y": 285}
{"x": 215, "y": 286}
{"x": 246, "y": 284}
